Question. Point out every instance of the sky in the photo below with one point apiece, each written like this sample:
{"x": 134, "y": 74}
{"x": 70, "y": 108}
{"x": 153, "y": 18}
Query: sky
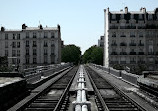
{"x": 81, "y": 21}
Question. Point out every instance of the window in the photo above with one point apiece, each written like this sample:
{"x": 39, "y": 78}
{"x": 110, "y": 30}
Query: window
{"x": 45, "y": 34}
{"x": 140, "y": 34}
{"x": 18, "y": 44}
{"x": 114, "y": 34}
{"x": 45, "y": 59}
{"x": 18, "y": 37}
{"x": 14, "y": 44}
{"x": 14, "y": 36}
{"x": 27, "y": 34}
{"x": 157, "y": 15}
{"x": 18, "y": 52}
{"x": 140, "y": 16}
{"x": 132, "y": 16}
{"x": 113, "y": 16}
{"x": 34, "y": 44}
{"x": 150, "y": 17}
{"x": 34, "y": 52}
{"x": 34, "y": 34}
{"x": 6, "y": 52}
{"x": 6, "y": 36}
{"x": 34, "y": 60}
{"x": 27, "y": 60}
{"x": 27, "y": 51}
{"x": 45, "y": 44}
{"x": 52, "y": 35}
{"x": 45, "y": 51}
{"x": 27, "y": 43}
{"x": 13, "y": 52}
{"x": 6, "y": 44}
{"x": 122, "y": 16}
{"x": 132, "y": 34}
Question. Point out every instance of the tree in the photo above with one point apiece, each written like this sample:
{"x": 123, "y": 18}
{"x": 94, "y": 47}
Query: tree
{"x": 3, "y": 64}
{"x": 93, "y": 55}
{"x": 71, "y": 53}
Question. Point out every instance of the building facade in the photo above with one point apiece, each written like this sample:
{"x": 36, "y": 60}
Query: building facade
{"x": 101, "y": 42}
{"x": 131, "y": 38}
{"x": 31, "y": 46}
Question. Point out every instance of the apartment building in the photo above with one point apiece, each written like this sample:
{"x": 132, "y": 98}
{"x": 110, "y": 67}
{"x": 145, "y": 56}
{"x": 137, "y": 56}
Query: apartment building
{"x": 101, "y": 42}
{"x": 131, "y": 38}
{"x": 31, "y": 46}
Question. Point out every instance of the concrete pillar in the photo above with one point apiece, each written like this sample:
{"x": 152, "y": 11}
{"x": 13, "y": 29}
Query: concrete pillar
{"x": 79, "y": 96}
{"x": 84, "y": 96}
{"x": 78, "y": 108}
{"x": 84, "y": 108}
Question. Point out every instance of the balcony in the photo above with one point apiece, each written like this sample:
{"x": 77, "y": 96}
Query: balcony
{"x": 45, "y": 45}
{"x": 132, "y": 62}
{"x": 114, "y": 62}
{"x": 34, "y": 36}
{"x": 122, "y": 62}
{"x": 150, "y": 53}
{"x": 140, "y": 35}
{"x": 27, "y": 46}
{"x": 127, "y": 27}
{"x": 132, "y": 53}
{"x": 52, "y": 54}
{"x": 113, "y": 27}
{"x": 123, "y": 53}
{"x": 52, "y": 45}
{"x": 141, "y": 44}
{"x": 113, "y": 53}
{"x": 141, "y": 27}
{"x": 123, "y": 36}
{"x": 132, "y": 36}
{"x": 140, "y": 53}
{"x": 113, "y": 35}
{"x": 123, "y": 44}
{"x": 114, "y": 44}
{"x": 132, "y": 44}
{"x": 141, "y": 62}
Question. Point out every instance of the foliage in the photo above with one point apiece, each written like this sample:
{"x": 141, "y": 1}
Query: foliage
{"x": 71, "y": 53}
{"x": 118, "y": 67}
{"x": 3, "y": 64}
{"x": 93, "y": 55}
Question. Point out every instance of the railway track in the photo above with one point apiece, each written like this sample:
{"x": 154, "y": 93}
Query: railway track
{"x": 108, "y": 97}
{"x": 53, "y": 98}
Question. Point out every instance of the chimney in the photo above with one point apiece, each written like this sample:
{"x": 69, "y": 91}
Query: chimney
{"x": 2, "y": 29}
{"x": 58, "y": 27}
{"x": 144, "y": 10}
{"x": 41, "y": 26}
{"x": 24, "y": 26}
{"x": 126, "y": 10}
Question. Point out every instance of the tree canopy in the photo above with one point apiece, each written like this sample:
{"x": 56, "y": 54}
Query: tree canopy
{"x": 93, "y": 55}
{"x": 71, "y": 53}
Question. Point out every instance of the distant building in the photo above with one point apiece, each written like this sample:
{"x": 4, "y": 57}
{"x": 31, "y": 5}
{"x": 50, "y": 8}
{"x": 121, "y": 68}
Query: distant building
{"x": 31, "y": 46}
{"x": 131, "y": 38}
{"x": 101, "y": 42}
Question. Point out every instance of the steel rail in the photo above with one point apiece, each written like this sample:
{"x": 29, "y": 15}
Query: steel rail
{"x": 57, "y": 108}
{"x": 98, "y": 93}
{"x": 122, "y": 93}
